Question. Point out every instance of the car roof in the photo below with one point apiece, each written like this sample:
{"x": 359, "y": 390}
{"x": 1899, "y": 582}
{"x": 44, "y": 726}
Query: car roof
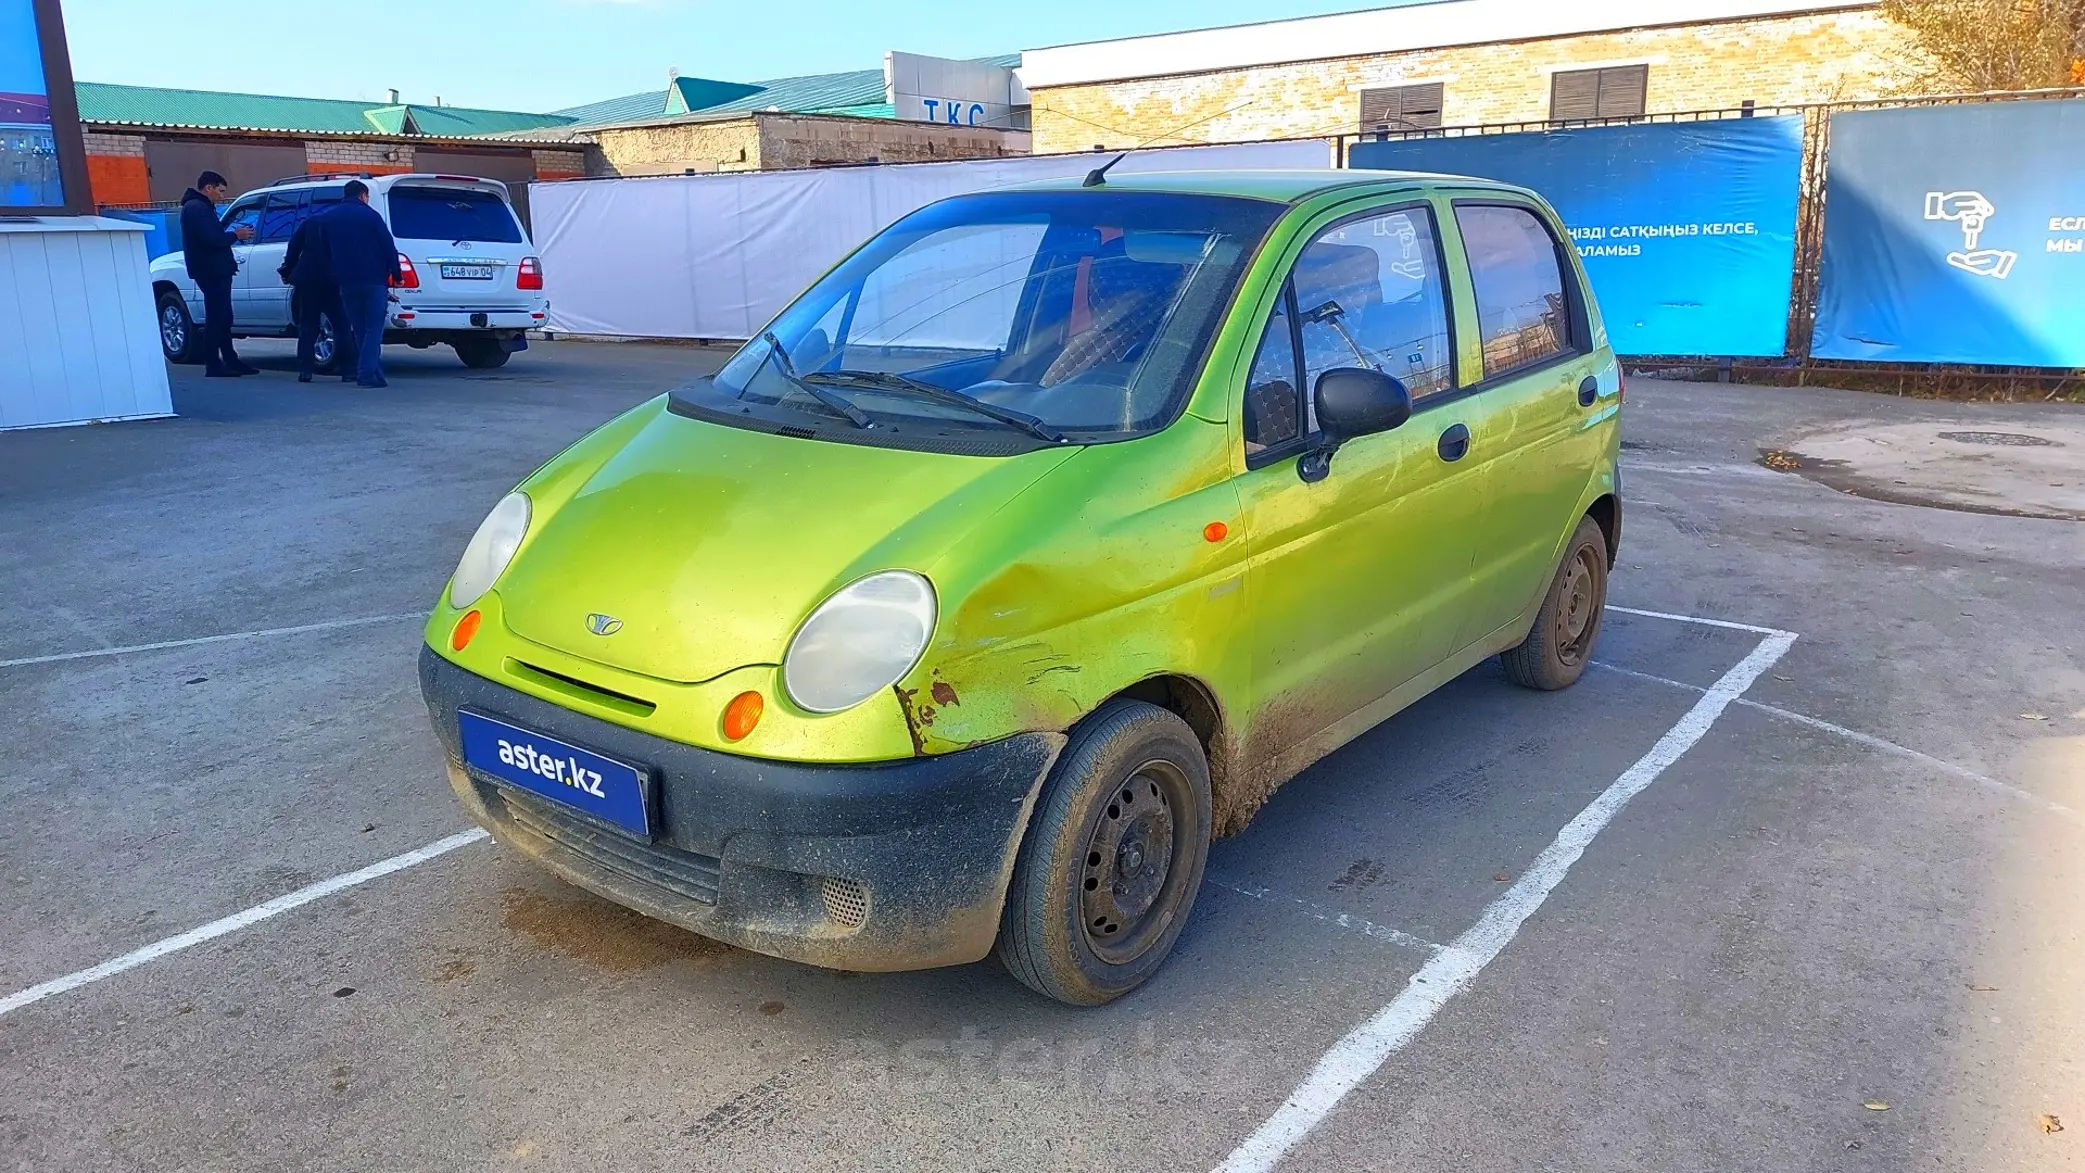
{"x": 1282, "y": 186}
{"x": 375, "y": 182}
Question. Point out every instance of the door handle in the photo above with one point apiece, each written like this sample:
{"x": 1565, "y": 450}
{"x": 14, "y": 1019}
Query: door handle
{"x": 1588, "y": 391}
{"x": 1455, "y": 444}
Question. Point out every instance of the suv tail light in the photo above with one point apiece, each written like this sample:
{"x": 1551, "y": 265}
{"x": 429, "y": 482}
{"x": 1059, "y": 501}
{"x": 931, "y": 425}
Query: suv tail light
{"x": 408, "y": 277}
{"x": 530, "y": 275}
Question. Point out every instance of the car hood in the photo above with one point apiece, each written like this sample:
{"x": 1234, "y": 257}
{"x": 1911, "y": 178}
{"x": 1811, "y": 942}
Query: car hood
{"x": 712, "y": 543}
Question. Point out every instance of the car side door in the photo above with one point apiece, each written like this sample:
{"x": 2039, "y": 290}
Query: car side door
{"x": 268, "y": 295}
{"x": 1355, "y": 580}
{"x": 1545, "y": 390}
{"x": 244, "y": 212}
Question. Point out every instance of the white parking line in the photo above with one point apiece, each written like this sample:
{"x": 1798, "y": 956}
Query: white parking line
{"x": 1873, "y": 742}
{"x": 328, "y": 625}
{"x": 1699, "y": 621}
{"x": 237, "y": 921}
{"x": 1357, "y": 1056}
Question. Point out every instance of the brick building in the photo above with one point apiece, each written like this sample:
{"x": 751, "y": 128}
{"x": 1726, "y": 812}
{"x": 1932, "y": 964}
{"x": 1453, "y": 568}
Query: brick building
{"x": 1461, "y": 63}
{"x": 814, "y": 120}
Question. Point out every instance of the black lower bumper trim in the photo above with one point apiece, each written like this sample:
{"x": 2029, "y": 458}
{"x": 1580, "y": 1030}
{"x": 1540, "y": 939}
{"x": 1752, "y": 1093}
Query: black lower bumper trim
{"x": 899, "y": 865}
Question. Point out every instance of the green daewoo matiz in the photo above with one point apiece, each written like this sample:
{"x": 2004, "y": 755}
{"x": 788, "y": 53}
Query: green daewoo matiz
{"x": 1028, "y": 551}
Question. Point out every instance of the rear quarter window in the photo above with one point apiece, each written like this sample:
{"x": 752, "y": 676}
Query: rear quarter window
{"x": 449, "y": 213}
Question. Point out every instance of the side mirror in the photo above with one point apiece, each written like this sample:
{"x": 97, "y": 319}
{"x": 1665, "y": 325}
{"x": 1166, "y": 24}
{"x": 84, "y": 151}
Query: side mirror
{"x": 1351, "y": 402}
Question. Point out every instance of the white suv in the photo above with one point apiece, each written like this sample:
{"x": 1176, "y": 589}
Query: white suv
{"x": 472, "y": 279}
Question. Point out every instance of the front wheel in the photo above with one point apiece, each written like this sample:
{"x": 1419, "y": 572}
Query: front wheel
{"x": 1558, "y": 648}
{"x": 482, "y": 354}
{"x": 1110, "y": 867}
{"x": 179, "y": 340}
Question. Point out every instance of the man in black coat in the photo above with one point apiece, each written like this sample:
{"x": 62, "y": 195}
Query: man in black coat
{"x": 307, "y": 268}
{"x": 206, "y": 245}
{"x": 365, "y": 264}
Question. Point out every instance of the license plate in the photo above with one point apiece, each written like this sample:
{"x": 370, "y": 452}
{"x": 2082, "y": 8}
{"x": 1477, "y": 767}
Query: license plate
{"x": 609, "y": 790}
{"x": 469, "y": 272}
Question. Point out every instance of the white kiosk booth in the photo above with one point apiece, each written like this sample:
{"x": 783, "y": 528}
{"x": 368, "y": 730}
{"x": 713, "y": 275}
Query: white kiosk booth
{"x": 79, "y": 341}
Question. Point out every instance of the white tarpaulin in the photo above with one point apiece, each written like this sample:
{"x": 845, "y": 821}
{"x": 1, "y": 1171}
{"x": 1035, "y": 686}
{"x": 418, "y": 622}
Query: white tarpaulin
{"x": 716, "y": 256}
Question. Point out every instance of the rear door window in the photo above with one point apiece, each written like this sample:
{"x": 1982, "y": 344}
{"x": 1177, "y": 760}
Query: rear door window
{"x": 280, "y": 217}
{"x": 452, "y": 214}
{"x": 1517, "y": 273}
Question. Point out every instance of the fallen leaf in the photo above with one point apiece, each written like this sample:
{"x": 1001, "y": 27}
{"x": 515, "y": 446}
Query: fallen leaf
{"x": 1501, "y": 877}
{"x": 2049, "y": 1122}
{"x": 1876, "y": 1106}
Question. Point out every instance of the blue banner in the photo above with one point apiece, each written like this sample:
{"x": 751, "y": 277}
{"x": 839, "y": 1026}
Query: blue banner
{"x": 1687, "y": 229}
{"x": 1956, "y": 234}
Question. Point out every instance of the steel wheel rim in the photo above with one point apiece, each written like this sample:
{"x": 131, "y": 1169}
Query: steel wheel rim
{"x": 1578, "y": 609}
{"x": 322, "y": 346}
{"x": 1133, "y": 872}
{"x": 173, "y": 331}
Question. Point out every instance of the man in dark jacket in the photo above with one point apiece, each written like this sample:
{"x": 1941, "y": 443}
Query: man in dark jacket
{"x": 206, "y": 246}
{"x": 307, "y": 268}
{"x": 365, "y": 265}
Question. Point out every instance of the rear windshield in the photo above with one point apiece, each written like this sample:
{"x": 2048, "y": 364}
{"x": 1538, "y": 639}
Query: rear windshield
{"x": 449, "y": 213}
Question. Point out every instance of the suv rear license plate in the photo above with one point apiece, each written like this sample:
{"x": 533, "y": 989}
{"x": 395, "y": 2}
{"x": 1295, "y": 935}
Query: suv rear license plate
{"x": 469, "y": 272}
{"x": 612, "y": 791}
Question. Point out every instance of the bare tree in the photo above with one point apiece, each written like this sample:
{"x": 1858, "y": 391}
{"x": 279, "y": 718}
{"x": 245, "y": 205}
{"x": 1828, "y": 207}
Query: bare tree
{"x": 1977, "y": 45}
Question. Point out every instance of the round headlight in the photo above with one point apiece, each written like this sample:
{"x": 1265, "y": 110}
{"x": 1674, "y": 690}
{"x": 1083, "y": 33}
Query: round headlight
{"x": 491, "y": 548}
{"x": 857, "y": 643}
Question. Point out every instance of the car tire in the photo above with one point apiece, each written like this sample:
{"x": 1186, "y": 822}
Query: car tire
{"x": 482, "y": 354}
{"x": 179, "y": 340}
{"x": 1560, "y": 645}
{"x": 1113, "y": 857}
{"x": 325, "y": 349}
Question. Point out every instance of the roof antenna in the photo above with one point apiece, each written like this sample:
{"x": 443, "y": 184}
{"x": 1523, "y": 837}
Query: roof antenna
{"x": 1099, "y": 175}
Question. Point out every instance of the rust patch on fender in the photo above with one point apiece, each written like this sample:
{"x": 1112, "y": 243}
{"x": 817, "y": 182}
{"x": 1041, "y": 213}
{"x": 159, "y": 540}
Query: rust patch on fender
{"x": 916, "y": 725}
{"x": 944, "y": 693}
{"x": 607, "y": 936}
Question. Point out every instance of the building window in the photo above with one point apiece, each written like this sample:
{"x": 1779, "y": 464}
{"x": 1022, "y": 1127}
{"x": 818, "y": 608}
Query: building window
{"x": 1401, "y": 108}
{"x": 1615, "y": 92}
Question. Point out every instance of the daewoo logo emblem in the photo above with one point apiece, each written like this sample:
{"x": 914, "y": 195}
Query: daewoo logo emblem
{"x": 601, "y": 624}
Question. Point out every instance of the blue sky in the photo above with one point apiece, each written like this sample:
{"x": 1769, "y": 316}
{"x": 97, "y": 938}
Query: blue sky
{"x": 21, "y": 68}
{"x": 544, "y": 54}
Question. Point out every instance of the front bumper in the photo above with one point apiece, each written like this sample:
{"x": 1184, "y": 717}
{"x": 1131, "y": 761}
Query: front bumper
{"x": 863, "y": 867}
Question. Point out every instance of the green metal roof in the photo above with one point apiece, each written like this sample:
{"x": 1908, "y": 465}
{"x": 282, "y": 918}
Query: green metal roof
{"x": 157, "y": 106}
{"x": 858, "y": 92}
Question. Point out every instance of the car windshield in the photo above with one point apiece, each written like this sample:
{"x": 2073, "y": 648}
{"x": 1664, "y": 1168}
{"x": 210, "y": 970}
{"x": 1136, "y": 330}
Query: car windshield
{"x": 1074, "y": 315}
{"x": 452, "y": 213}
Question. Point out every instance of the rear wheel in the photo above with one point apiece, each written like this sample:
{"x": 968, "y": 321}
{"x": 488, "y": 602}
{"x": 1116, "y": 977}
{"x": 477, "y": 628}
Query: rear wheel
{"x": 179, "y": 340}
{"x": 1111, "y": 864}
{"x": 325, "y": 349}
{"x": 481, "y": 354}
{"x": 1558, "y": 648}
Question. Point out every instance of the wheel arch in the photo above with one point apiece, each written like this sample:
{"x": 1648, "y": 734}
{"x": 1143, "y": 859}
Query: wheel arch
{"x": 1606, "y": 511}
{"x": 1193, "y": 701}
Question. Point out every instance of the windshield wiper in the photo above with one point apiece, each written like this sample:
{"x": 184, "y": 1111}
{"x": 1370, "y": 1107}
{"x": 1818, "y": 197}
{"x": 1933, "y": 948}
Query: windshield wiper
{"x": 837, "y": 402}
{"x": 891, "y": 381}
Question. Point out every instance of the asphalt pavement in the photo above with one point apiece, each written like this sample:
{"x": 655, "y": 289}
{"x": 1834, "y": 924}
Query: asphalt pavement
{"x": 1791, "y": 881}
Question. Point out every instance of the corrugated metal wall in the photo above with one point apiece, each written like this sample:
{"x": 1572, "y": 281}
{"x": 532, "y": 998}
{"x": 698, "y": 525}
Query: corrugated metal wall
{"x": 78, "y": 338}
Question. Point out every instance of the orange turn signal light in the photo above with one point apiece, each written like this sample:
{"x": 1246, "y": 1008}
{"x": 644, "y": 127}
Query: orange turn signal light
{"x": 466, "y": 630}
{"x": 1216, "y": 531}
{"x": 742, "y": 714}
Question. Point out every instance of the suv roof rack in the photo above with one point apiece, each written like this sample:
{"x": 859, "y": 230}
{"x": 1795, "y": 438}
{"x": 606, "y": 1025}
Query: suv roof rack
{"x": 316, "y": 176}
